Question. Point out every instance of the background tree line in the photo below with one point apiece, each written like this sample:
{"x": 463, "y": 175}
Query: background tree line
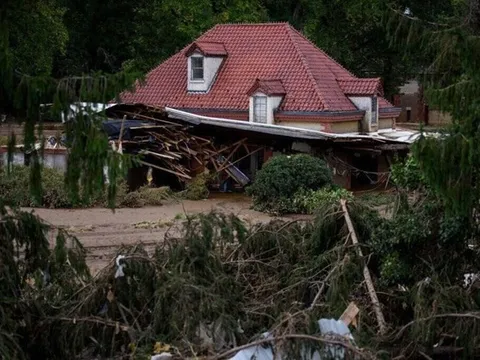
{"x": 71, "y": 37}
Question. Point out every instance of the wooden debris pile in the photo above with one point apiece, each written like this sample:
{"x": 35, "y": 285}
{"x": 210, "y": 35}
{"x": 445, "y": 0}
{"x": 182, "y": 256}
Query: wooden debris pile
{"x": 172, "y": 148}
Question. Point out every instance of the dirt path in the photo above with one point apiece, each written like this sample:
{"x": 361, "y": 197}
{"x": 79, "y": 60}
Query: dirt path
{"x": 102, "y": 231}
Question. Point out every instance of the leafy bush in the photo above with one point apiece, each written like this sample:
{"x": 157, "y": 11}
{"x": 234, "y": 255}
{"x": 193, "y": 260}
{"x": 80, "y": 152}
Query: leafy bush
{"x": 15, "y": 188}
{"x": 308, "y": 201}
{"x": 54, "y": 194}
{"x": 407, "y": 174}
{"x": 283, "y": 176}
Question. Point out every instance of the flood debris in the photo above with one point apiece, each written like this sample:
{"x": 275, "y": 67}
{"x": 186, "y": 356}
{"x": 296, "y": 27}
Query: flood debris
{"x": 330, "y": 329}
{"x": 171, "y": 148}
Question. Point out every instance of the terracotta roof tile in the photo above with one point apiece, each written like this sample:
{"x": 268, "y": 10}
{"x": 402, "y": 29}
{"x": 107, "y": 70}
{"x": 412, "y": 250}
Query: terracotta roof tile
{"x": 207, "y": 48}
{"x": 268, "y": 87}
{"x": 361, "y": 86}
{"x": 254, "y": 51}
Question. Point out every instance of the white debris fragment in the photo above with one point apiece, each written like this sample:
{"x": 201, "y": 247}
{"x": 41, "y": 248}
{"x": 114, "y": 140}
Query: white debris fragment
{"x": 120, "y": 266}
{"x": 162, "y": 356}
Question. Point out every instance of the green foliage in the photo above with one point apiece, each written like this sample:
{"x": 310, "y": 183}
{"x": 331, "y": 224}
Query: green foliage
{"x": 283, "y": 176}
{"x": 449, "y": 54}
{"x": 15, "y": 188}
{"x": 309, "y": 201}
{"x": 37, "y": 34}
{"x": 407, "y": 174}
{"x": 197, "y": 188}
{"x": 407, "y": 243}
{"x": 36, "y": 283}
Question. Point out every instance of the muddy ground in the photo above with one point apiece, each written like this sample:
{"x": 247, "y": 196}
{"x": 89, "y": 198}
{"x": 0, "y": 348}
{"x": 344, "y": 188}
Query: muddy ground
{"x": 102, "y": 231}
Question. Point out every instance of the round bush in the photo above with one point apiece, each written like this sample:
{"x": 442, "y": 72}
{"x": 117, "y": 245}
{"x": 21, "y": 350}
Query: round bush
{"x": 283, "y": 176}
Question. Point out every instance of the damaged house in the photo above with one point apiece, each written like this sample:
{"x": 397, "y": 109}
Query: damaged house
{"x": 270, "y": 87}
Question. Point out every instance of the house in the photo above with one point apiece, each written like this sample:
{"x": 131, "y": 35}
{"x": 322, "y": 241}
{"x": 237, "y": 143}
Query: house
{"x": 414, "y": 109}
{"x": 266, "y": 73}
{"x": 266, "y": 81}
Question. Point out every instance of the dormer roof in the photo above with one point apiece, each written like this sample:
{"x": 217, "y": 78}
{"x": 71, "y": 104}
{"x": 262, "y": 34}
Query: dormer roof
{"x": 268, "y": 87}
{"x": 207, "y": 48}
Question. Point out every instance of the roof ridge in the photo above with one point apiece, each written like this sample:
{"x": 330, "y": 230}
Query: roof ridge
{"x": 305, "y": 66}
{"x": 270, "y": 23}
{"x": 323, "y": 52}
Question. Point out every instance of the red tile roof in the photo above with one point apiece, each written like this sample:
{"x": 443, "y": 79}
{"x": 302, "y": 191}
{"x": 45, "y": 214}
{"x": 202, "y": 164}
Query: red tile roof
{"x": 254, "y": 51}
{"x": 268, "y": 87}
{"x": 361, "y": 86}
{"x": 207, "y": 48}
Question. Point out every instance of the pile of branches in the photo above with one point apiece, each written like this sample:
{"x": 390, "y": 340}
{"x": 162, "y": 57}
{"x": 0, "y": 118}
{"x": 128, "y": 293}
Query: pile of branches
{"x": 219, "y": 284}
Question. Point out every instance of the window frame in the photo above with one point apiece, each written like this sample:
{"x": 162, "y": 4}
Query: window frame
{"x": 374, "y": 119}
{"x": 256, "y": 98}
{"x": 194, "y": 68}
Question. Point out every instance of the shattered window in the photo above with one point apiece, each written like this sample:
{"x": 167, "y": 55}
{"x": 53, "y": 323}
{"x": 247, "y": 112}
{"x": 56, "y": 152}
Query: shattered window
{"x": 197, "y": 68}
{"x": 260, "y": 109}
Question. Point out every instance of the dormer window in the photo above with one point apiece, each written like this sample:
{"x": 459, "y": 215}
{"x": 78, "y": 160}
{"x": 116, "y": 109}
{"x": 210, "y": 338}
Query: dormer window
{"x": 203, "y": 65}
{"x": 260, "y": 109}
{"x": 265, "y": 97}
{"x": 197, "y": 68}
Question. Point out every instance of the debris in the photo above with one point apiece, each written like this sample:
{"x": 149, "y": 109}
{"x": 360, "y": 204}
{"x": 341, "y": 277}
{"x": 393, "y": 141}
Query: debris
{"x": 162, "y": 356}
{"x": 174, "y": 149}
{"x": 120, "y": 266}
{"x": 329, "y": 329}
{"x": 160, "y": 348}
{"x": 149, "y": 176}
{"x": 349, "y": 316}
{"x": 366, "y": 273}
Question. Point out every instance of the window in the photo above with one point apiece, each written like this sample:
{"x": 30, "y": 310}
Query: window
{"x": 374, "y": 110}
{"x": 260, "y": 109}
{"x": 197, "y": 68}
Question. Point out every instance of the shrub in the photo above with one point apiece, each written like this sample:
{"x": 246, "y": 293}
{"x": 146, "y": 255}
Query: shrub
{"x": 407, "y": 174}
{"x": 53, "y": 189}
{"x": 308, "y": 201}
{"x": 15, "y": 188}
{"x": 283, "y": 176}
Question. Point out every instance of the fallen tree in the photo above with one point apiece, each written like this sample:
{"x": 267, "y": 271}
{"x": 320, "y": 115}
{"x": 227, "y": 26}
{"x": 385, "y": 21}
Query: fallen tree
{"x": 220, "y": 284}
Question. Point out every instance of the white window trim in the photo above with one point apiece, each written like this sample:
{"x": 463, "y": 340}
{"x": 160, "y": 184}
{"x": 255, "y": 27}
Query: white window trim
{"x": 192, "y": 79}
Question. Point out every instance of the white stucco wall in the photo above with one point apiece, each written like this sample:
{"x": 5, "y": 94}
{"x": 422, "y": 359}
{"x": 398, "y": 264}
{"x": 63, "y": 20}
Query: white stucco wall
{"x": 365, "y": 103}
{"x": 18, "y": 158}
{"x": 210, "y": 69}
{"x": 55, "y": 161}
{"x": 272, "y": 104}
{"x": 410, "y": 87}
{"x": 304, "y": 125}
